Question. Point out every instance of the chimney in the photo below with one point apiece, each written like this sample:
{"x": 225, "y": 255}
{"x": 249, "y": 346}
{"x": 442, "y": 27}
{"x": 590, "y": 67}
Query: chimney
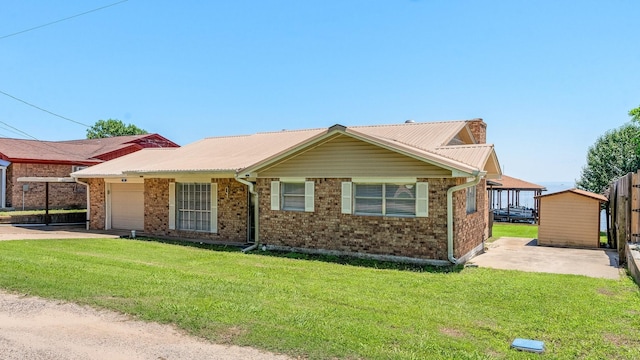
{"x": 478, "y": 129}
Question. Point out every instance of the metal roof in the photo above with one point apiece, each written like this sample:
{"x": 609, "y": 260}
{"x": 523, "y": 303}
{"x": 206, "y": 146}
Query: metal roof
{"x": 425, "y": 141}
{"x": 117, "y": 167}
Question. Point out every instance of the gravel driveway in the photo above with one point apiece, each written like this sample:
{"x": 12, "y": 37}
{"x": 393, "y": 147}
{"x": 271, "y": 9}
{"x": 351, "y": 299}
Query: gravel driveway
{"x": 34, "y": 328}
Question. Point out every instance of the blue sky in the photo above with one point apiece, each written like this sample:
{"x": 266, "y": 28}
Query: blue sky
{"x": 548, "y": 77}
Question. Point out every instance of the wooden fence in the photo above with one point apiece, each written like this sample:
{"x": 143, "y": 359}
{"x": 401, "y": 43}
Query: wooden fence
{"x": 623, "y": 213}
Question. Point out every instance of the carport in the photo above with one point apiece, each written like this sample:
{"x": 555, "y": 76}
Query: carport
{"x": 47, "y": 180}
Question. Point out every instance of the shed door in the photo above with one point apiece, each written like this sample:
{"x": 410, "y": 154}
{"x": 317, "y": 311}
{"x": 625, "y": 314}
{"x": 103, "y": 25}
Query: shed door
{"x": 127, "y": 206}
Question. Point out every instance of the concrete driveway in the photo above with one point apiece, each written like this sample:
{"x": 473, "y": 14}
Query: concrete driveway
{"x": 525, "y": 255}
{"x": 10, "y": 232}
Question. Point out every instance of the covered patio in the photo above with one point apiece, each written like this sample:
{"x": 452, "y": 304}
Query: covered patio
{"x": 505, "y": 202}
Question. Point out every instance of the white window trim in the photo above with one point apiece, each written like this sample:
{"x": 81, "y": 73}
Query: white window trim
{"x": 309, "y": 194}
{"x": 421, "y": 199}
{"x": 347, "y": 195}
{"x": 172, "y": 206}
{"x": 213, "y": 211}
{"x": 475, "y": 199}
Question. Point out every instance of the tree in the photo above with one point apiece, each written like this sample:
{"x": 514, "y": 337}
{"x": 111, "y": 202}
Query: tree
{"x": 613, "y": 155}
{"x": 635, "y": 115}
{"x": 112, "y": 127}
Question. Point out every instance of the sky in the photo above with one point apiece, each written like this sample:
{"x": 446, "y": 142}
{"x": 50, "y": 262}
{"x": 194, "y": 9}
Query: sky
{"x": 548, "y": 77}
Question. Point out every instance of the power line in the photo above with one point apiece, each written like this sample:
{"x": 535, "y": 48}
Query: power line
{"x": 47, "y": 144}
{"x": 41, "y": 109}
{"x": 10, "y": 130}
{"x": 61, "y": 20}
{"x": 17, "y": 130}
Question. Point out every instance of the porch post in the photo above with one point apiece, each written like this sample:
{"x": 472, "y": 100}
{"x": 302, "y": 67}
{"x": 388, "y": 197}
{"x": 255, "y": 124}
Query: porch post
{"x": 47, "y": 219}
{"x": 3, "y": 184}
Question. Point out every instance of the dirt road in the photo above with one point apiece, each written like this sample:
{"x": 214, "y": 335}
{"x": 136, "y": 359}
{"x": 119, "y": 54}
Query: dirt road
{"x": 34, "y": 328}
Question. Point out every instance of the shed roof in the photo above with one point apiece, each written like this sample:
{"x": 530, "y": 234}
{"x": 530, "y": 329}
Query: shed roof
{"x": 511, "y": 183}
{"x": 580, "y": 192}
{"x": 429, "y": 141}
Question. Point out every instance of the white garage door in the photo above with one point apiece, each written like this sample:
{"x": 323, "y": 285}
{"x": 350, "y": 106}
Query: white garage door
{"x": 127, "y": 206}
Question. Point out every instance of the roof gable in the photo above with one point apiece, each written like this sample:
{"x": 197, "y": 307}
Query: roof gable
{"x": 342, "y": 155}
{"x": 421, "y": 141}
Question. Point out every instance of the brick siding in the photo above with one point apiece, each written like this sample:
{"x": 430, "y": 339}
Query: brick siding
{"x": 324, "y": 229}
{"x": 328, "y": 229}
{"x": 469, "y": 229}
{"x": 479, "y": 130}
{"x": 232, "y": 211}
{"x": 97, "y": 208}
{"x": 61, "y": 195}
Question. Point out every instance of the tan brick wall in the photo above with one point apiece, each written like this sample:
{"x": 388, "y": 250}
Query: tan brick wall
{"x": 232, "y": 211}
{"x": 328, "y": 229}
{"x": 97, "y": 216}
{"x": 156, "y": 206}
{"x": 469, "y": 229}
{"x": 61, "y": 195}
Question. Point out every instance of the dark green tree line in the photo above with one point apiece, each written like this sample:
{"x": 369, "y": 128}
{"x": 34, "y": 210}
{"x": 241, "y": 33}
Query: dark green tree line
{"x": 613, "y": 155}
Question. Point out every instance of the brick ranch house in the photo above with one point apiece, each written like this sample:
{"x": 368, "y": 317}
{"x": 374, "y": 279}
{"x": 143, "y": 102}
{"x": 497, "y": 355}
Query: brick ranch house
{"x": 408, "y": 192}
{"x": 33, "y": 158}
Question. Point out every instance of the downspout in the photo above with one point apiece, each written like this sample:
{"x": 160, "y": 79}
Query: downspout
{"x": 88, "y": 201}
{"x": 478, "y": 176}
{"x": 252, "y": 190}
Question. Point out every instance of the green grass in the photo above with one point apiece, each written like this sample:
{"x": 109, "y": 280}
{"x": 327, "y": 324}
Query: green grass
{"x": 321, "y": 310}
{"x": 40, "y": 212}
{"x": 524, "y": 231}
{"x": 514, "y": 230}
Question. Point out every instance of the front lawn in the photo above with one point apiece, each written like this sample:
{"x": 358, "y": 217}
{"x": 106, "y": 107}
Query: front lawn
{"x": 514, "y": 230}
{"x": 322, "y": 310}
{"x": 524, "y": 231}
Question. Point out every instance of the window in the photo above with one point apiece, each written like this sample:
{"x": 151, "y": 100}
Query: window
{"x": 471, "y": 200}
{"x": 292, "y": 195}
{"x": 385, "y": 199}
{"x": 193, "y": 202}
{"x": 392, "y": 199}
